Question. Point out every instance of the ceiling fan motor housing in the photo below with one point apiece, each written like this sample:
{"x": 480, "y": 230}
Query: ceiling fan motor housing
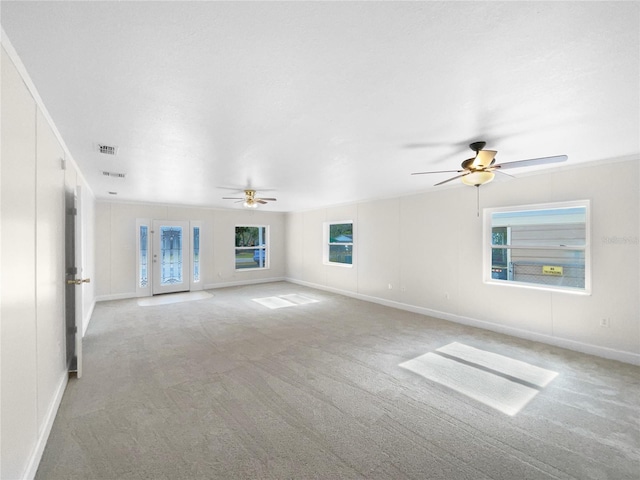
{"x": 477, "y": 146}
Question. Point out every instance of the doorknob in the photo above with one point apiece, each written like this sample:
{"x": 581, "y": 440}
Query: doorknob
{"x": 78, "y": 281}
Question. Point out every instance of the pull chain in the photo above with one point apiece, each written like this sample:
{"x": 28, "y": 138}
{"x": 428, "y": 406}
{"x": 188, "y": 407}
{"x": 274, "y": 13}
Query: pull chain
{"x": 478, "y": 200}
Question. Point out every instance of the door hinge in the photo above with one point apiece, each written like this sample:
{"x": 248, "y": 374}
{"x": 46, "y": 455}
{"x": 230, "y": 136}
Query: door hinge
{"x": 72, "y": 271}
{"x": 73, "y": 329}
{"x": 72, "y": 211}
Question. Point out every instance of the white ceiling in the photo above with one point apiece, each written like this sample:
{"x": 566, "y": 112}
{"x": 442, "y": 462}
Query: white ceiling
{"x": 322, "y": 103}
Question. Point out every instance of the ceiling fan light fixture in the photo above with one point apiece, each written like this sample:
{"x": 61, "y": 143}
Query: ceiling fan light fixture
{"x": 250, "y": 203}
{"x": 478, "y": 178}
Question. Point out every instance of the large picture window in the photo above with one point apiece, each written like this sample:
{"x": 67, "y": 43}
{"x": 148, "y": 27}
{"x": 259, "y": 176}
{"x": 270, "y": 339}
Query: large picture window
{"x": 252, "y": 247}
{"x": 541, "y": 246}
{"x": 338, "y": 243}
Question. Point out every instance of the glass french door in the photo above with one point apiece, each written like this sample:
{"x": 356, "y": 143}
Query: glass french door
{"x": 171, "y": 257}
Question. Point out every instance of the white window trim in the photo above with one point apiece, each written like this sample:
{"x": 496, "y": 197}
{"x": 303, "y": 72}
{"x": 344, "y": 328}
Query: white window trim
{"x": 267, "y": 248}
{"x": 325, "y": 241}
{"x": 487, "y": 242}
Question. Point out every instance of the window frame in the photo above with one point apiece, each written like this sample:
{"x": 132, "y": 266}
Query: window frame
{"x": 196, "y": 283}
{"x": 327, "y": 244}
{"x": 487, "y": 245}
{"x": 144, "y": 291}
{"x": 266, "y": 248}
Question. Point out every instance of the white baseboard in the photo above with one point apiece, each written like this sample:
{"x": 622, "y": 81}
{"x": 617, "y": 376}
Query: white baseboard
{"x": 45, "y": 430}
{"x": 212, "y": 286}
{"x": 599, "y": 351}
{"x": 115, "y": 296}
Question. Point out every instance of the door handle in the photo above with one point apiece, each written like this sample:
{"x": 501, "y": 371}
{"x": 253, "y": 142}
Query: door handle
{"x": 78, "y": 281}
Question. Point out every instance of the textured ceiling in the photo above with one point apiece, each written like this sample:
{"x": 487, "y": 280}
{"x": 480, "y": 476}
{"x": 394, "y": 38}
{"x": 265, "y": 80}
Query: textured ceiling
{"x": 322, "y": 103}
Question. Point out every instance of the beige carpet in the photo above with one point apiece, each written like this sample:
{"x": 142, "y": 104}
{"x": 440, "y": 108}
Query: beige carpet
{"x": 228, "y": 388}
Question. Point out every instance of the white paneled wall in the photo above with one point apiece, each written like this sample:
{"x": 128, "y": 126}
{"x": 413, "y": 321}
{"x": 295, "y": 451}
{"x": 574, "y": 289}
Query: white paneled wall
{"x": 116, "y": 244}
{"x": 32, "y": 312}
{"x": 49, "y": 264}
{"x": 18, "y": 308}
{"x": 428, "y": 247}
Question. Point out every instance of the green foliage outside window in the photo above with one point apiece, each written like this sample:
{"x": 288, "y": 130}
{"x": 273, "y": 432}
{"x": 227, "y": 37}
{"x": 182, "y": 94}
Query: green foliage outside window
{"x": 249, "y": 236}
{"x": 341, "y": 233}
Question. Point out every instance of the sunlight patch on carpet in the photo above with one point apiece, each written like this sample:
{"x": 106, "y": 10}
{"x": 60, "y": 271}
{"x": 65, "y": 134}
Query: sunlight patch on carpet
{"x": 282, "y": 301}
{"x": 494, "y": 380}
{"x": 499, "y": 363}
{"x": 169, "y": 298}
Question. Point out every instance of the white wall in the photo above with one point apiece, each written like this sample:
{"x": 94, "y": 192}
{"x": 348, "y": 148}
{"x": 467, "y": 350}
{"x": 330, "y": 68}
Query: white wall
{"x": 428, "y": 247}
{"x": 32, "y": 312}
{"x": 115, "y": 230}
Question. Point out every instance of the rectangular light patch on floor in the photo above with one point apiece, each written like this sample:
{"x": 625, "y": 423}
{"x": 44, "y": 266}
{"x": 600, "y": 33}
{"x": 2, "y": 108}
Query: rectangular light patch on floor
{"x": 523, "y": 371}
{"x": 283, "y": 301}
{"x": 298, "y": 299}
{"x": 494, "y": 380}
{"x": 169, "y": 298}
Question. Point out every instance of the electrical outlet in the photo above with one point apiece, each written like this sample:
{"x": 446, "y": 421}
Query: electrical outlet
{"x": 604, "y": 322}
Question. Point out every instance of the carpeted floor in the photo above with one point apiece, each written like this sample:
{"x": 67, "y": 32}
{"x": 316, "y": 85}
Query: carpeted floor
{"x": 228, "y": 388}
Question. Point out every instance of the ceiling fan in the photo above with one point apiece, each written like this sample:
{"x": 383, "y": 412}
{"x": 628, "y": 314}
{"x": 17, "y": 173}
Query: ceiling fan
{"x": 480, "y": 169}
{"x": 250, "y": 200}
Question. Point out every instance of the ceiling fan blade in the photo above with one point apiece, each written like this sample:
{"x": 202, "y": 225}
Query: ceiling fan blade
{"x": 439, "y": 171}
{"x": 259, "y": 200}
{"x": 500, "y": 172}
{"x": 532, "y": 161}
{"x": 452, "y": 178}
{"x": 267, "y": 199}
{"x": 483, "y": 159}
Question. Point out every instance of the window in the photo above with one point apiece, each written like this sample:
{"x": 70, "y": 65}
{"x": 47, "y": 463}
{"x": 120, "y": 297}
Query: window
{"x": 252, "y": 247}
{"x": 338, "y": 243}
{"x": 144, "y": 266}
{"x": 143, "y": 257}
{"x": 540, "y": 246}
{"x": 196, "y": 254}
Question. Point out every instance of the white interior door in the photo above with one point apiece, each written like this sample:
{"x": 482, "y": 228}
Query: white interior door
{"x": 171, "y": 256}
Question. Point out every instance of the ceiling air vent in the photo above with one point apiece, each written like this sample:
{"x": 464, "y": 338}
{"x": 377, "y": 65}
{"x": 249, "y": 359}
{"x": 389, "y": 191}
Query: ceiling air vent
{"x": 114, "y": 174}
{"x": 107, "y": 149}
